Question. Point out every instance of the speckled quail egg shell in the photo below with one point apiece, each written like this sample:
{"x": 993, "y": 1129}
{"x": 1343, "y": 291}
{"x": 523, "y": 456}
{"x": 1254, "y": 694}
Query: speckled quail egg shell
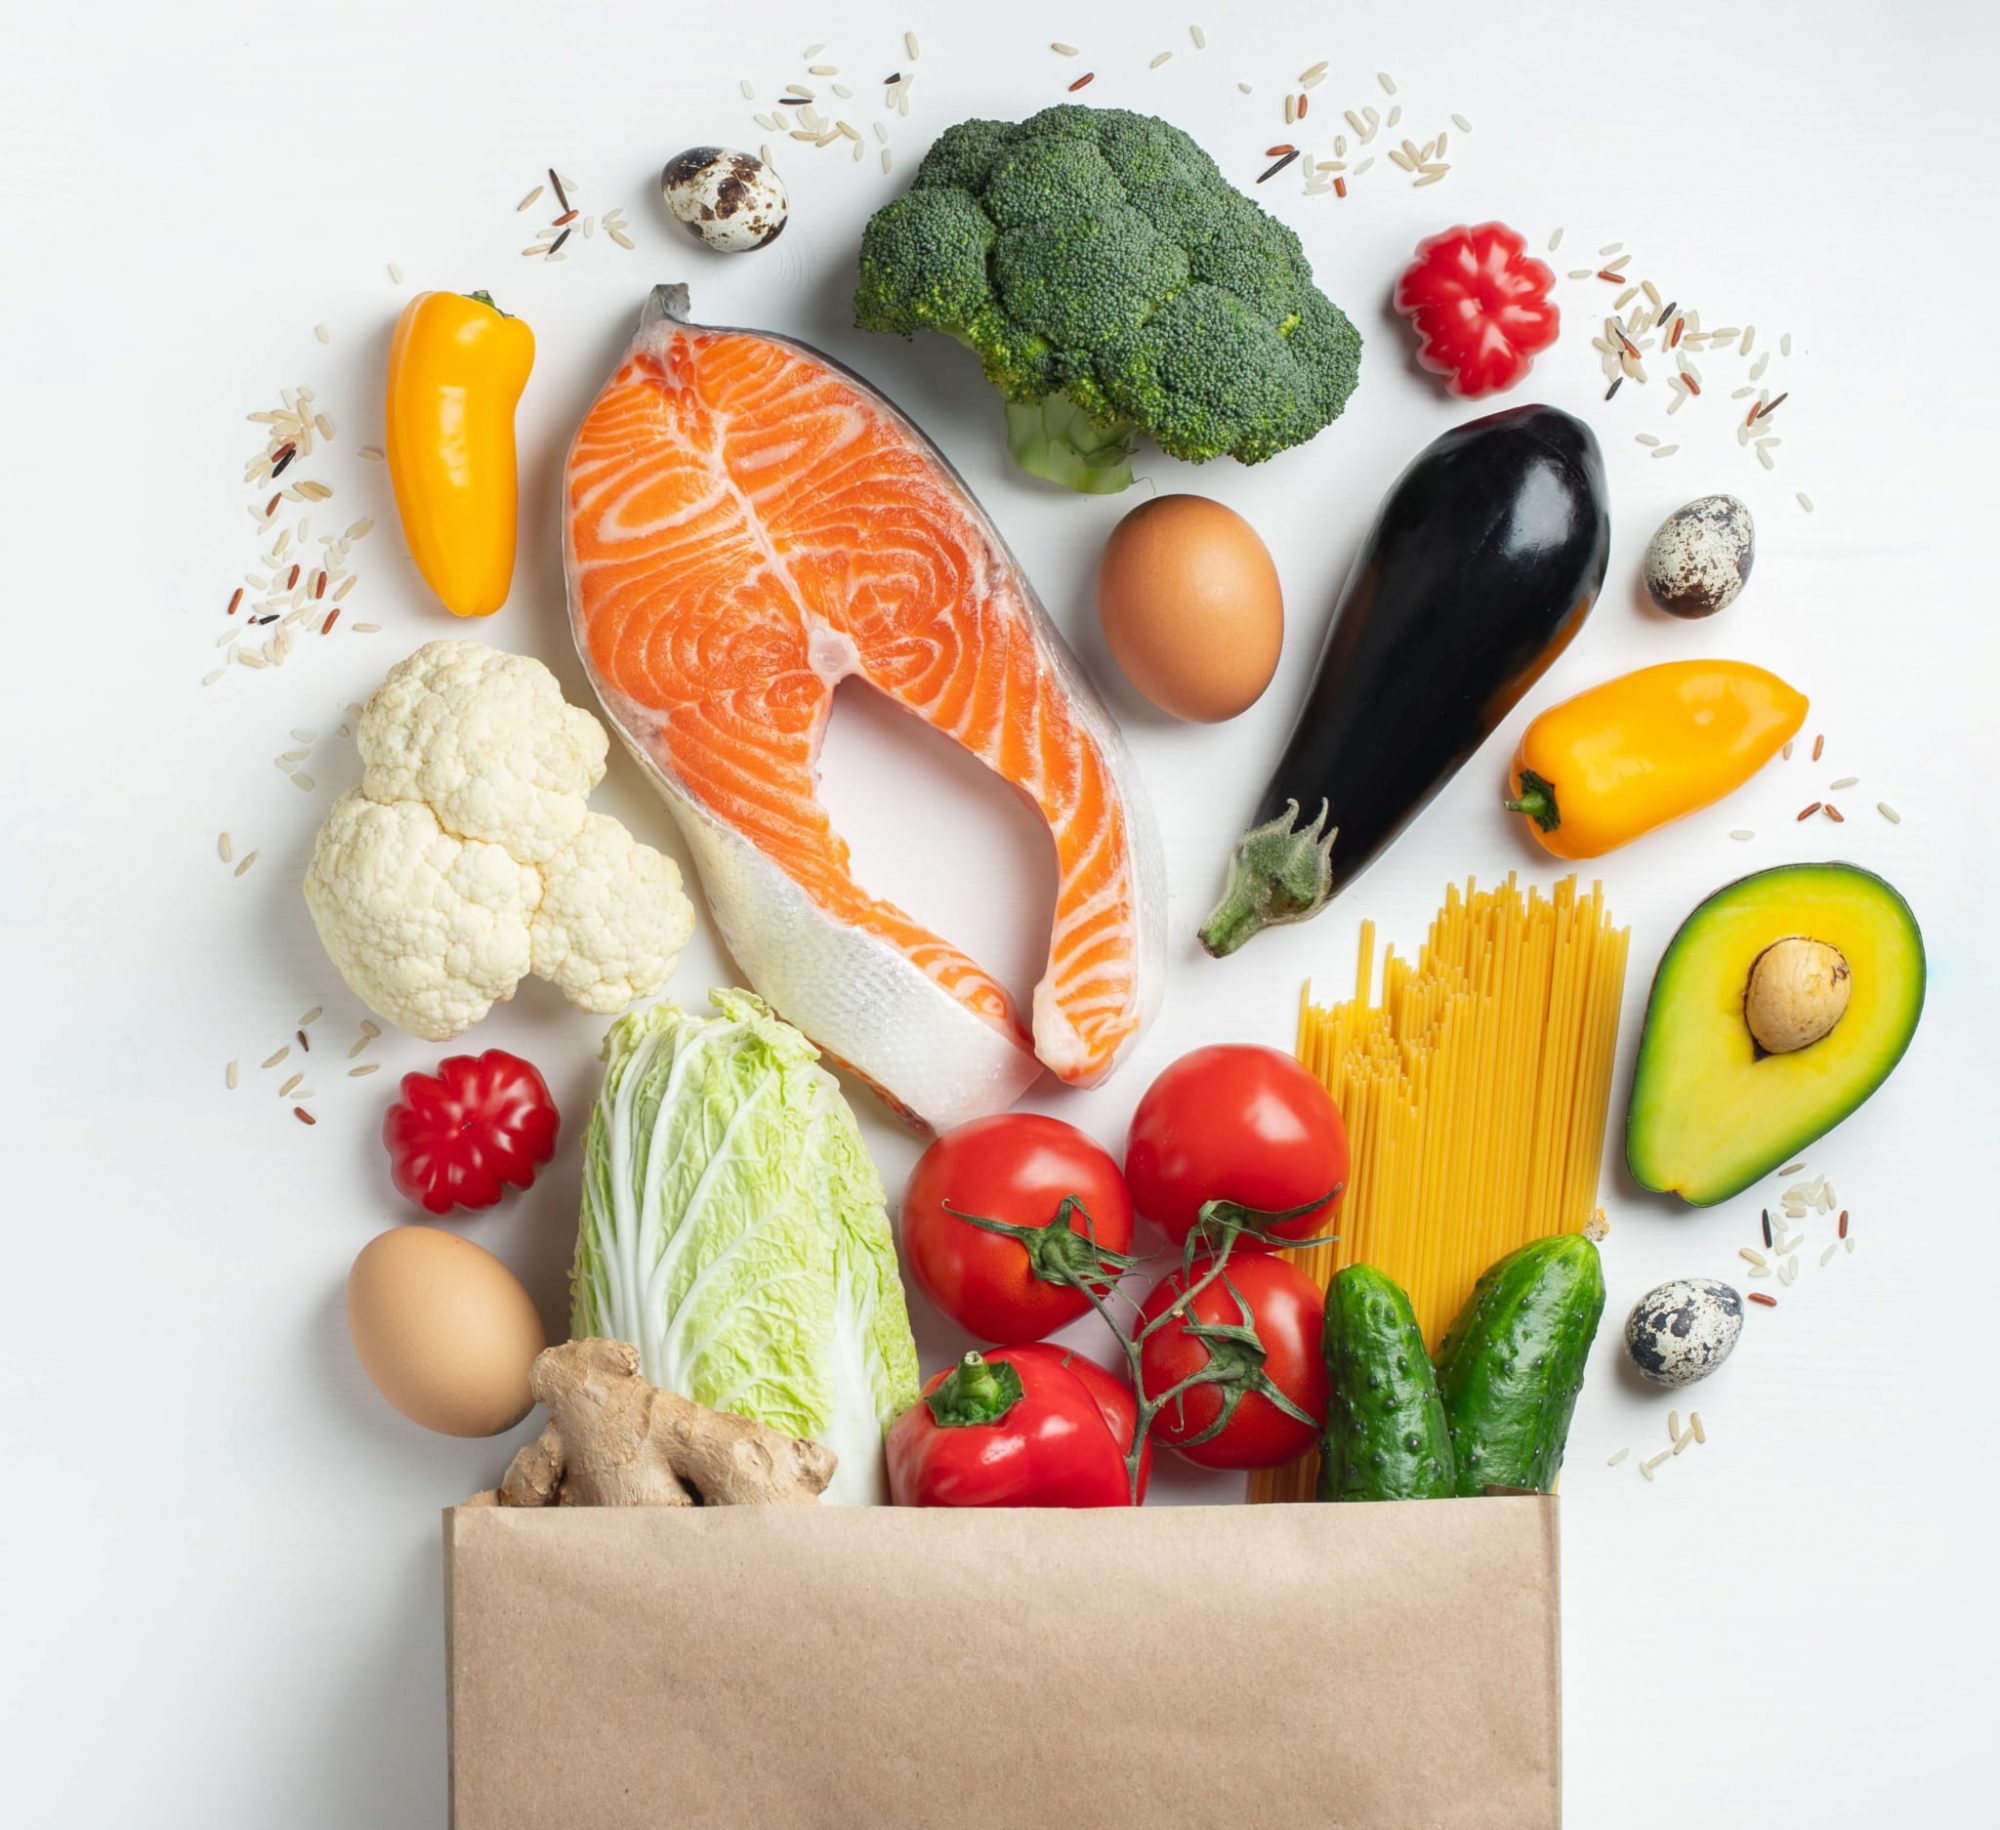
{"x": 732, "y": 201}
{"x": 1700, "y": 559}
{"x": 1683, "y": 1330}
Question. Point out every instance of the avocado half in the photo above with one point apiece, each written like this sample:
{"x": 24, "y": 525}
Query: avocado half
{"x": 1711, "y": 1110}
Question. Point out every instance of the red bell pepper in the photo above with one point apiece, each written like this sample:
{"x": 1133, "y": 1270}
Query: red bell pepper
{"x": 1007, "y": 1428}
{"x": 1481, "y": 306}
{"x": 1114, "y": 1398}
{"x": 459, "y": 1137}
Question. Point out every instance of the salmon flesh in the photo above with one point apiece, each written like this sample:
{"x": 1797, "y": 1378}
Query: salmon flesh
{"x": 747, "y": 524}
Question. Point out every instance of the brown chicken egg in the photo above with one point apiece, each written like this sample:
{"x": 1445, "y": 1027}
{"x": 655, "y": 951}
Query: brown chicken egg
{"x": 1191, "y": 608}
{"x": 444, "y": 1329}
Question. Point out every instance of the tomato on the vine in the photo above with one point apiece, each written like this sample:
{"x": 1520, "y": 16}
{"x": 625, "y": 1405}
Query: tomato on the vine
{"x": 1258, "y": 1294}
{"x": 1021, "y": 1171}
{"x": 1239, "y": 1124}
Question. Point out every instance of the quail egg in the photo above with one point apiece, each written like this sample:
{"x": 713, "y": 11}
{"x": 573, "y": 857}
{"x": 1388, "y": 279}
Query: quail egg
{"x": 1700, "y": 559}
{"x": 732, "y": 201}
{"x": 1684, "y": 1330}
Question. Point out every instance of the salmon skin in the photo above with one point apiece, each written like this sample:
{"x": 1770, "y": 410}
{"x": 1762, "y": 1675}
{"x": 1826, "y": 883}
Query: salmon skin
{"x": 745, "y": 525}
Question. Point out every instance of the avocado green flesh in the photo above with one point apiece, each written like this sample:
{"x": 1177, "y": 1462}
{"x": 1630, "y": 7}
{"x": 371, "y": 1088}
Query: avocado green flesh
{"x": 1709, "y": 1114}
{"x": 1509, "y": 1369}
{"x": 1385, "y": 1437}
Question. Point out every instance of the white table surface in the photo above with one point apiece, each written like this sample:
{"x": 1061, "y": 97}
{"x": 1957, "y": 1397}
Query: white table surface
{"x": 221, "y": 1568}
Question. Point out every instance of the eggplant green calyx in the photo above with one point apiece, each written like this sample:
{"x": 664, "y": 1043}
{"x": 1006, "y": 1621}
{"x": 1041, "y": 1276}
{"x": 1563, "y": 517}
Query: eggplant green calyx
{"x": 1537, "y": 800}
{"x": 1280, "y": 872}
{"x": 976, "y": 1391}
{"x": 1057, "y": 1252}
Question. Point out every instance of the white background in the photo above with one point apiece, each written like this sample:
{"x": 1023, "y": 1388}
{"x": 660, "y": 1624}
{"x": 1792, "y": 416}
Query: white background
{"x": 221, "y": 1558}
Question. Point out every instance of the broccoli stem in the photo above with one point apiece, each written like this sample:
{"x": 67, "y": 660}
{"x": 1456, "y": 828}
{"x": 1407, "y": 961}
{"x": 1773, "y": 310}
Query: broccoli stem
{"x": 1055, "y": 438}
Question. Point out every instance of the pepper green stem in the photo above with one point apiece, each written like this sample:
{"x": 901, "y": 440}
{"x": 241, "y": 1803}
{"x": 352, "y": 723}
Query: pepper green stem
{"x": 1280, "y": 872}
{"x": 1537, "y": 800}
{"x": 976, "y": 1391}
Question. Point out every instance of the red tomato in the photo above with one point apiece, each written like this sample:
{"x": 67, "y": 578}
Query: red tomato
{"x": 1285, "y": 1308}
{"x": 1113, "y": 1395}
{"x": 1017, "y": 1168}
{"x": 1236, "y": 1123}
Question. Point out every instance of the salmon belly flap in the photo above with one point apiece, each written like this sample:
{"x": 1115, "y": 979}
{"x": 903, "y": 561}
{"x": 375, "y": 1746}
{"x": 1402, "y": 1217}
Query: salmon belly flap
{"x": 746, "y": 524}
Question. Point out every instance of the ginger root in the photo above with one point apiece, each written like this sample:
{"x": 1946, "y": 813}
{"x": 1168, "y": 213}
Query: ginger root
{"x": 613, "y": 1440}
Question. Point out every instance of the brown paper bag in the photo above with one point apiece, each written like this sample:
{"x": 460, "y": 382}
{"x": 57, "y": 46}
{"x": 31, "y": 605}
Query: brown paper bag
{"x": 1371, "y": 1667}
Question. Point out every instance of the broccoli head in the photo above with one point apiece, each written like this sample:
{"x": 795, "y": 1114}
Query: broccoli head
{"x": 1113, "y": 284}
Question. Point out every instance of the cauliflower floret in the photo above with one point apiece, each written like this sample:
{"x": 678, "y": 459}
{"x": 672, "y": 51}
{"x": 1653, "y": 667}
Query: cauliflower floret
{"x": 467, "y": 859}
{"x": 489, "y": 741}
{"x": 612, "y": 919}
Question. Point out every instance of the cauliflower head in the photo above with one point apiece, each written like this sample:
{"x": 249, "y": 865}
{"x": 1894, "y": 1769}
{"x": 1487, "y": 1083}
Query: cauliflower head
{"x": 467, "y": 857}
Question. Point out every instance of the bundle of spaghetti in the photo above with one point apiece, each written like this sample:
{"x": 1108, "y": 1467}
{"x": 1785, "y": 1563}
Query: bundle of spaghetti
{"x": 1475, "y": 1094}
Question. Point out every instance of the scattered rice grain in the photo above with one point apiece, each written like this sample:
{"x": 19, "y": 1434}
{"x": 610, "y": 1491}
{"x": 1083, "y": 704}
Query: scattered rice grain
{"x": 1743, "y": 832}
{"x": 249, "y": 858}
{"x": 303, "y": 1116}
{"x": 367, "y": 1067}
{"x": 1387, "y": 81}
{"x": 1768, "y": 1302}
{"x": 1612, "y": 1460}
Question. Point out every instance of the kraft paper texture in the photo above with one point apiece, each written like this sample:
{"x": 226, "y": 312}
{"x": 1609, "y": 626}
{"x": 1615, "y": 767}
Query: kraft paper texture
{"x": 1360, "y": 1667}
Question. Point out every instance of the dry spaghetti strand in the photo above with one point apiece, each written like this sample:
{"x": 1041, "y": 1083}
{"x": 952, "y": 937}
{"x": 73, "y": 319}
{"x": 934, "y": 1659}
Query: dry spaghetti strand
{"x": 1475, "y": 1091}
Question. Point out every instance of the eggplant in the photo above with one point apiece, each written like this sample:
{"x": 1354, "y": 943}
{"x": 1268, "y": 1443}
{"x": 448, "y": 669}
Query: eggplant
{"x": 1483, "y": 562}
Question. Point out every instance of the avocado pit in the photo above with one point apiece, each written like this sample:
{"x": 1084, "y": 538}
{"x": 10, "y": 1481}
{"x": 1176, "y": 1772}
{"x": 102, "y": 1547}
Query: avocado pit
{"x": 1797, "y": 992}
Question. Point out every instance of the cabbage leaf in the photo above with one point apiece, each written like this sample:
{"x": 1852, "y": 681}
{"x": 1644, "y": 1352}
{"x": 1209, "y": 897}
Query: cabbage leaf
{"x": 734, "y": 1230}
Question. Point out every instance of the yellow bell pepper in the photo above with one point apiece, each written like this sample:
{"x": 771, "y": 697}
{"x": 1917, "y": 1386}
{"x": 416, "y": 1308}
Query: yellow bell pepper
{"x": 1596, "y": 771}
{"x": 456, "y": 370}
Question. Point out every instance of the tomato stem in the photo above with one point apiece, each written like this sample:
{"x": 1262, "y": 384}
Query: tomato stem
{"x": 1059, "y": 1254}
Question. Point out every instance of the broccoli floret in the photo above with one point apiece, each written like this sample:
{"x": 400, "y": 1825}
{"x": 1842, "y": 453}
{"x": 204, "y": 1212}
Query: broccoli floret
{"x": 1113, "y": 284}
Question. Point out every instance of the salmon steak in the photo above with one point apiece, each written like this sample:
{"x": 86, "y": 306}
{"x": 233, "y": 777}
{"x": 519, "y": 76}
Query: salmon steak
{"x": 746, "y": 524}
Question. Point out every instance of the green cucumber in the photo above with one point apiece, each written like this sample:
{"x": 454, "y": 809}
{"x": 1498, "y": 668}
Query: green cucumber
{"x": 1510, "y": 1367}
{"x": 1385, "y": 1435}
